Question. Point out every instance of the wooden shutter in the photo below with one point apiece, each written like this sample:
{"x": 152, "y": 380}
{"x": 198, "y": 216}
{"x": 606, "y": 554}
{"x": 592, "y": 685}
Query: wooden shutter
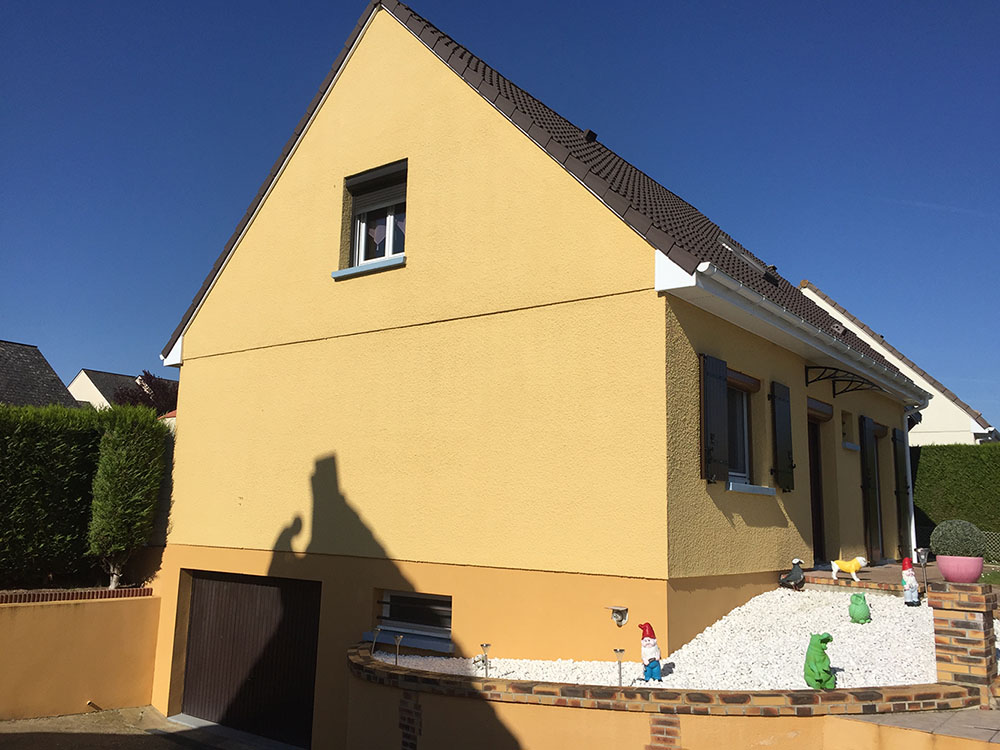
{"x": 899, "y": 450}
{"x": 781, "y": 413}
{"x": 714, "y": 420}
{"x": 869, "y": 486}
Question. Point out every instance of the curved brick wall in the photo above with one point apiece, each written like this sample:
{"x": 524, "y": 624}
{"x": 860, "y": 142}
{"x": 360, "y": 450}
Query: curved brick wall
{"x": 663, "y": 701}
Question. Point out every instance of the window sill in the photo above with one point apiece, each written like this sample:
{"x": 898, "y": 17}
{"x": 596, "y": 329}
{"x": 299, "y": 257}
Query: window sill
{"x": 851, "y": 446}
{"x": 424, "y": 642}
{"x": 750, "y": 489}
{"x": 364, "y": 269}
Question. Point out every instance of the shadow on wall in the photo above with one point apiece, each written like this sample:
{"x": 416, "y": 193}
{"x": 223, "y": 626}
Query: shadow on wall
{"x": 263, "y": 653}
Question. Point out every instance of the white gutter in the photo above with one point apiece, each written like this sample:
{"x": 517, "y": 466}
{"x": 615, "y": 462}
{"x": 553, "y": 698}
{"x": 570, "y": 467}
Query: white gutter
{"x": 709, "y": 285}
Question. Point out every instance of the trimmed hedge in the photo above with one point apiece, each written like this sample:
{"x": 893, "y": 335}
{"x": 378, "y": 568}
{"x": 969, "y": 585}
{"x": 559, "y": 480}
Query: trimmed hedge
{"x": 957, "y": 481}
{"x": 48, "y": 459}
{"x": 126, "y": 490}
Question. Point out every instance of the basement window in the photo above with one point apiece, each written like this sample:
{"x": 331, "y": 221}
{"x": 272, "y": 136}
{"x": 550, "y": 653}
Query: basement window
{"x": 424, "y": 620}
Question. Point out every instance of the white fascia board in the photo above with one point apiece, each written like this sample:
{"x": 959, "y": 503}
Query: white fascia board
{"x": 173, "y": 358}
{"x": 667, "y": 275}
{"x": 718, "y": 293}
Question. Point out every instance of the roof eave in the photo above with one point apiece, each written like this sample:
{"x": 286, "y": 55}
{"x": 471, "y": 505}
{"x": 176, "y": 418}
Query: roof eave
{"x": 713, "y": 290}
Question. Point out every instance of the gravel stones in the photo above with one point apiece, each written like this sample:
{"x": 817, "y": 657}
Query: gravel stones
{"x": 759, "y": 646}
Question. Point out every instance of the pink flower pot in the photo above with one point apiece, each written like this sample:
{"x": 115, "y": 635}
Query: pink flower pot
{"x": 960, "y": 569}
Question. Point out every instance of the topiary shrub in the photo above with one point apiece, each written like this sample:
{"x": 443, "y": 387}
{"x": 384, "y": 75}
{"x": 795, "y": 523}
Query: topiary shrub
{"x": 958, "y": 539}
{"x": 126, "y": 487}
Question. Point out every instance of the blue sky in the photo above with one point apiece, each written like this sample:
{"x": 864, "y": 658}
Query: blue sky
{"x": 853, "y": 144}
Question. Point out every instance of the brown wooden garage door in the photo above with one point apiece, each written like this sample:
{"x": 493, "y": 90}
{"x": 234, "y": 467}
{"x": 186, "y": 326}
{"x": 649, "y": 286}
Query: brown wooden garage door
{"x": 251, "y": 654}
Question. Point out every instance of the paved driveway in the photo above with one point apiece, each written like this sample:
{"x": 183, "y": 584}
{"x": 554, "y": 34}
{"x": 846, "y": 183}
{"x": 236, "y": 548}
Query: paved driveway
{"x": 125, "y": 729}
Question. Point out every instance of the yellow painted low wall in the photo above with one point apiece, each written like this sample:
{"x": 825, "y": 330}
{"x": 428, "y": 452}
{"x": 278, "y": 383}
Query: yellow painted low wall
{"x": 57, "y": 656}
{"x": 695, "y": 603}
{"x": 442, "y": 723}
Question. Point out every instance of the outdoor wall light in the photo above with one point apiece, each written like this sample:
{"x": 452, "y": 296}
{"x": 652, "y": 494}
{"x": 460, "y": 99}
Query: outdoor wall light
{"x": 399, "y": 639}
{"x": 486, "y": 658}
{"x": 923, "y": 553}
{"x": 619, "y": 615}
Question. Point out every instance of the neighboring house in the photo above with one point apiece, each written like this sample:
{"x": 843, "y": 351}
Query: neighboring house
{"x": 97, "y": 387}
{"x": 27, "y": 379}
{"x": 947, "y": 419}
{"x": 538, "y": 384}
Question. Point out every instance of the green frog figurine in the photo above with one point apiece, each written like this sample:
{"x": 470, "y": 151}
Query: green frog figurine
{"x": 817, "y": 671}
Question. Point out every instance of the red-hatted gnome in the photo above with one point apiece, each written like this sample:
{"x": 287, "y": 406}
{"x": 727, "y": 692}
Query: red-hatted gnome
{"x": 650, "y": 653}
{"x": 911, "y": 592}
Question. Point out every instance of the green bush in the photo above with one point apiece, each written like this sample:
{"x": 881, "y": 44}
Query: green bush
{"x": 958, "y": 538}
{"x": 957, "y": 481}
{"x": 48, "y": 460}
{"x": 126, "y": 488}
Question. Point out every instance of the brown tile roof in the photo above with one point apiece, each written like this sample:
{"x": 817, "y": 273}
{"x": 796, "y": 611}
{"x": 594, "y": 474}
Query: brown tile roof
{"x": 27, "y": 379}
{"x": 934, "y": 382}
{"x": 666, "y": 221}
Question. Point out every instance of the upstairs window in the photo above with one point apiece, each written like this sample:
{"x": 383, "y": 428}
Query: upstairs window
{"x": 374, "y": 220}
{"x": 379, "y": 224}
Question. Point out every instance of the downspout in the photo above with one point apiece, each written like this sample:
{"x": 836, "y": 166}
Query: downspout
{"x": 909, "y": 478}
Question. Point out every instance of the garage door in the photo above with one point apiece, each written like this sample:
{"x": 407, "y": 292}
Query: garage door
{"x": 251, "y": 654}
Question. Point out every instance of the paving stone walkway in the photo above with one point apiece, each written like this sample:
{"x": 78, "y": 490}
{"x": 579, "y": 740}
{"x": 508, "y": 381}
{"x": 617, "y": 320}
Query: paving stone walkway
{"x": 969, "y": 723}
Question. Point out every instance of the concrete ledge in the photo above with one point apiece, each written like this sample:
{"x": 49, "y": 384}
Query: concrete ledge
{"x": 928, "y": 697}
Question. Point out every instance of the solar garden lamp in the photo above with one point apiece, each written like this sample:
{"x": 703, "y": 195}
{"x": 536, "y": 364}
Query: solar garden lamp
{"x": 375, "y": 638}
{"x": 399, "y": 639}
{"x": 922, "y": 554}
{"x": 486, "y": 658}
{"x": 619, "y": 653}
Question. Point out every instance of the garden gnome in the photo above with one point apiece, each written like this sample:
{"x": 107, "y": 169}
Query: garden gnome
{"x": 650, "y": 653}
{"x": 817, "y": 669}
{"x": 859, "y": 609}
{"x": 911, "y": 593}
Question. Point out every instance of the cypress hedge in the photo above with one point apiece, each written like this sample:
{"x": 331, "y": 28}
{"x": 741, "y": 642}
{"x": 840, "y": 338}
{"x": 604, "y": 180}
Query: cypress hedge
{"x": 956, "y": 481}
{"x": 48, "y": 460}
{"x": 126, "y": 489}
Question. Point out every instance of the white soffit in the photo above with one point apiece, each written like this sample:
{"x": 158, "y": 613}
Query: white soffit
{"x": 716, "y": 292}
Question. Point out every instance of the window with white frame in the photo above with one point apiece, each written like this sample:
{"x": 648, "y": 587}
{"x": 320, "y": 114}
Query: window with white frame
{"x": 739, "y": 436}
{"x": 418, "y": 614}
{"x": 379, "y": 224}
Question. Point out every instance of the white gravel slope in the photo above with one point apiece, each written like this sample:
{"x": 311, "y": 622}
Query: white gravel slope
{"x": 759, "y": 646}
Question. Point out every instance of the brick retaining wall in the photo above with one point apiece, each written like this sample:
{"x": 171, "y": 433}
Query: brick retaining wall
{"x": 965, "y": 645}
{"x": 70, "y": 595}
{"x": 659, "y": 700}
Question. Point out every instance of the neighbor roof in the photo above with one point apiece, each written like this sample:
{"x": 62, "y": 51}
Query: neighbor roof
{"x": 109, "y": 382}
{"x": 27, "y": 379}
{"x": 666, "y": 221}
{"x": 934, "y": 382}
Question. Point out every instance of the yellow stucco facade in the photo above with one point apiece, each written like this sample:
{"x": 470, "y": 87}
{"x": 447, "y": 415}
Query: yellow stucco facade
{"x": 512, "y": 418}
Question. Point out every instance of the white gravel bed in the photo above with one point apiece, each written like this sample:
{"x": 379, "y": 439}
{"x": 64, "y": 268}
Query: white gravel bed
{"x": 759, "y": 646}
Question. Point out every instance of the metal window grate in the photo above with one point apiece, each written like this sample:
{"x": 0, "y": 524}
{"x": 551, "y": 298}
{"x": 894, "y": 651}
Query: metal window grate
{"x": 992, "y": 546}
